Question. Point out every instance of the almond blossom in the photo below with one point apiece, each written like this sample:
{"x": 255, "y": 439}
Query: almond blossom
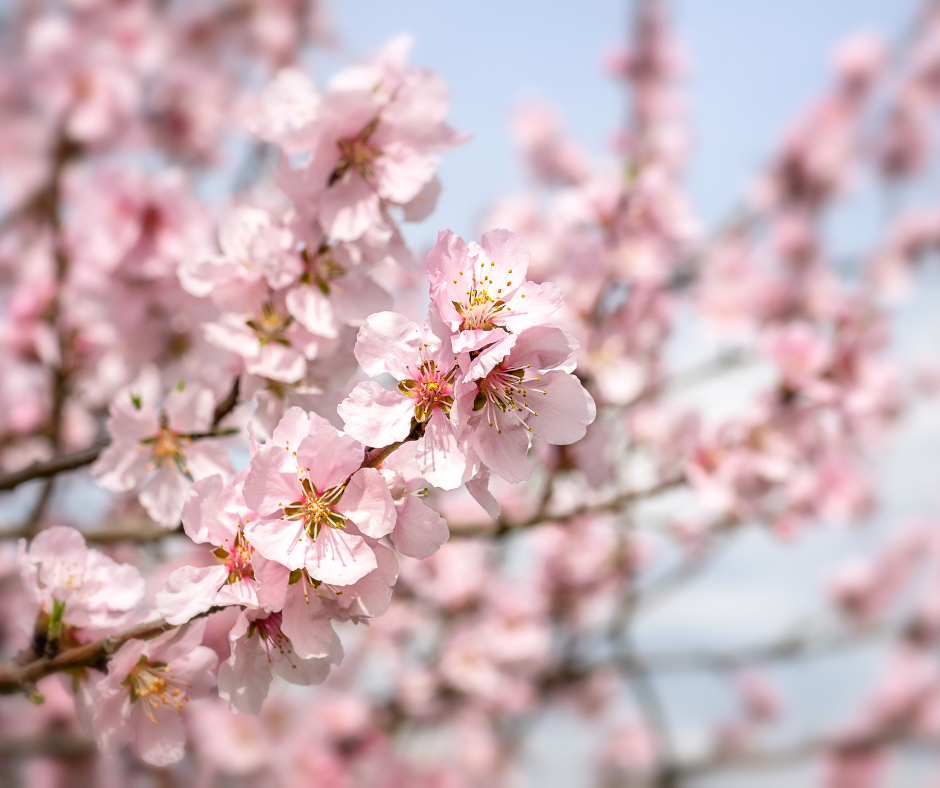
{"x": 216, "y": 513}
{"x": 476, "y": 289}
{"x": 372, "y": 142}
{"x": 315, "y": 503}
{"x": 522, "y": 384}
{"x": 163, "y": 448}
{"x": 147, "y": 686}
{"x": 426, "y": 370}
{"x": 260, "y": 650}
{"x": 75, "y": 587}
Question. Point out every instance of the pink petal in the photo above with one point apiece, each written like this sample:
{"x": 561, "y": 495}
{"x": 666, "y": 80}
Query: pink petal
{"x": 162, "y": 743}
{"x": 389, "y": 342}
{"x": 267, "y": 488}
{"x": 278, "y": 362}
{"x": 304, "y": 672}
{"x": 503, "y": 448}
{"x": 307, "y": 622}
{"x": 349, "y": 208}
{"x": 368, "y": 503}
{"x": 272, "y": 579}
{"x": 164, "y": 494}
{"x": 207, "y": 457}
{"x": 245, "y": 677}
{"x": 563, "y": 412}
{"x": 280, "y": 540}
{"x": 531, "y": 305}
{"x": 479, "y": 488}
{"x": 189, "y": 591}
{"x": 371, "y": 596}
{"x": 402, "y": 171}
{"x": 511, "y": 258}
{"x": 190, "y": 410}
{"x": 294, "y": 426}
{"x": 339, "y": 558}
{"x": 419, "y": 531}
{"x": 449, "y": 269}
{"x": 312, "y": 310}
{"x": 204, "y": 517}
{"x": 122, "y": 466}
{"x": 543, "y": 348}
{"x": 439, "y": 456}
{"x": 375, "y": 416}
{"x": 329, "y": 456}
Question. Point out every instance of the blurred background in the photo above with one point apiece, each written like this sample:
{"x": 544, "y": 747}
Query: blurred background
{"x": 752, "y": 623}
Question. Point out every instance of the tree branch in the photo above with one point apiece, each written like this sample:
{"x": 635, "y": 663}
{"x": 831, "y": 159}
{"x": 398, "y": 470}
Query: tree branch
{"x": 79, "y": 459}
{"x": 14, "y": 675}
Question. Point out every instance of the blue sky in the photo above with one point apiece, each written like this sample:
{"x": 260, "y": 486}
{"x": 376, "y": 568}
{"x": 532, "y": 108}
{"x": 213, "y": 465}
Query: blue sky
{"x": 752, "y": 65}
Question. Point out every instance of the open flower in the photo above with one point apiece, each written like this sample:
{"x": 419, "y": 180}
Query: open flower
{"x": 372, "y": 141}
{"x": 476, "y": 290}
{"x": 216, "y": 513}
{"x": 74, "y": 586}
{"x": 306, "y": 485}
{"x": 426, "y": 370}
{"x": 419, "y": 530}
{"x": 261, "y": 649}
{"x": 147, "y": 686}
{"x": 168, "y": 448}
{"x": 520, "y": 385}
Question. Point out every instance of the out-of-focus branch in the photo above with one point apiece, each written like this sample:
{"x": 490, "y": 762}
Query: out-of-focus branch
{"x": 26, "y": 669}
{"x": 52, "y": 467}
{"x": 79, "y": 459}
{"x": 17, "y": 674}
{"x": 504, "y": 526}
{"x": 797, "y": 646}
{"x": 53, "y": 744}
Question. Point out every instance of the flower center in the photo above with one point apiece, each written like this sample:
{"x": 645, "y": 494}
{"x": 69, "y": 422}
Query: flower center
{"x": 432, "y": 388}
{"x": 508, "y": 390}
{"x": 480, "y": 308}
{"x": 357, "y": 154}
{"x": 154, "y": 685}
{"x": 270, "y": 327}
{"x": 238, "y": 561}
{"x": 316, "y": 508}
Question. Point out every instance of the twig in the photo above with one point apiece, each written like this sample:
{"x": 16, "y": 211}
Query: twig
{"x": 79, "y": 459}
{"x": 14, "y": 676}
{"x": 503, "y": 526}
{"x": 790, "y": 647}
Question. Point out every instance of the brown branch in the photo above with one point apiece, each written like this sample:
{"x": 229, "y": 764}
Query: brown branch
{"x": 503, "y": 526}
{"x": 79, "y": 459}
{"x": 14, "y": 675}
{"x": 52, "y": 467}
{"x": 53, "y": 744}
{"x": 790, "y": 647}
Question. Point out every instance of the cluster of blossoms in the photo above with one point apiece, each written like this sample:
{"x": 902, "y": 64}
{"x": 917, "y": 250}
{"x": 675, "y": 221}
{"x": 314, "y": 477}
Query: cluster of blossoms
{"x": 430, "y": 507}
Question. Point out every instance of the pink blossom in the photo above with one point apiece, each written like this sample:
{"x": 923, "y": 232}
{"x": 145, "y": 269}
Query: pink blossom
{"x": 426, "y": 369}
{"x": 419, "y": 530}
{"x": 522, "y": 384}
{"x": 215, "y": 513}
{"x": 163, "y": 449}
{"x": 253, "y": 246}
{"x": 75, "y": 586}
{"x": 800, "y": 354}
{"x": 478, "y": 289}
{"x": 147, "y": 686}
{"x": 372, "y": 142}
{"x": 307, "y": 488}
{"x": 261, "y": 649}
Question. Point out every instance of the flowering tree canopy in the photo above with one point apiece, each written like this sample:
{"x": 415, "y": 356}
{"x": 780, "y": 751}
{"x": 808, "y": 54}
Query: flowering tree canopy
{"x": 254, "y": 443}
